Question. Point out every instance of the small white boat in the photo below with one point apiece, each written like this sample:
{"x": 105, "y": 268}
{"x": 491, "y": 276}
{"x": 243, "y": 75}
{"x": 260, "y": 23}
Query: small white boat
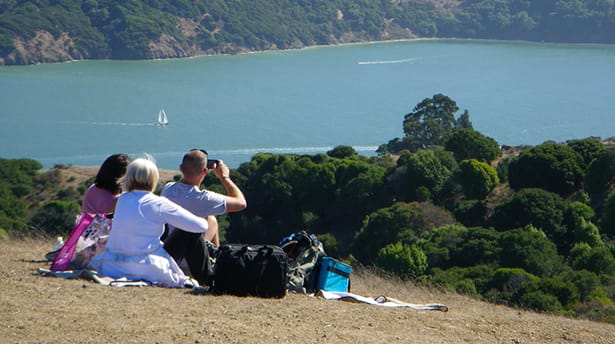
{"x": 162, "y": 118}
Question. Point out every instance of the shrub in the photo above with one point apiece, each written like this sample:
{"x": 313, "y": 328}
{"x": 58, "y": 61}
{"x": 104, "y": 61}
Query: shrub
{"x": 424, "y": 168}
{"x": 587, "y": 284}
{"x": 565, "y": 291}
{"x": 531, "y": 206}
{"x": 342, "y": 152}
{"x": 330, "y": 244}
{"x": 477, "y": 179}
{"x": 386, "y": 226}
{"x": 550, "y": 166}
{"x": 600, "y": 172}
{"x": 607, "y": 221}
{"x": 56, "y": 217}
{"x": 12, "y": 210}
{"x": 471, "y": 212}
{"x": 471, "y": 144}
{"x": 589, "y": 149}
{"x": 510, "y": 282}
{"x": 578, "y": 220}
{"x": 540, "y": 301}
{"x": 438, "y": 244}
{"x": 475, "y": 246}
{"x": 468, "y": 280}
{"x": 595, "y": 259}
{"x": 596, "y": 311}
{"x": 404, "y": 261}
{"x": 466, "y": 286}
{"x": 530, "y": 250}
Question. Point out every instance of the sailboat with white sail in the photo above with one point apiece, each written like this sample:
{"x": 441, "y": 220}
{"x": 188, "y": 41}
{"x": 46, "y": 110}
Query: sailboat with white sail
{"x": 162, "y": 118}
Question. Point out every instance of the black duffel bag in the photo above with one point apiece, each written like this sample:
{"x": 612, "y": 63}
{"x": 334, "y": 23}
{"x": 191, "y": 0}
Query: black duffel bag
{"x": 255, "y": 270}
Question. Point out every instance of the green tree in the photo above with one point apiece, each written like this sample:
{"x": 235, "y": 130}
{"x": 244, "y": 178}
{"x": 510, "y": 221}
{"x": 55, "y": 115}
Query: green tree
{"x": 456, "y": 245}
{"x": 477, "y": 178}
{"x": 529, "y": 249}
{"x": 361, "y": 189}
{"x": 421, "y": 169}
{"x": 467, "y": 143}
{"x": 431, "y": 122}
{"x": 607, "y": 220}
{"x": 17, "y": 178}
{"x": 588, "y": 149}
{"x": 578, "y": 219}
{"x": 401, "y": 221}
{"x": 550, "y": 166}
{"x": 471, "y": 212}
{"x": 477, "y": 246}
{"x": 19, "y": 175}
{"x": 437, "y": 244}
{"x": 540, "y": 301}
{"x": 384, "y": 227}
{"x": 342, "y": 152}
{"x": 595, "y": 259}
{"x": 587, "y": 284}
{"x": 565, "y": 291}
{"x": 601, "y": 172}
{"x": 12, "y": 210}
{"x": 532, "y": 206}
{"x": 314, "y": 192}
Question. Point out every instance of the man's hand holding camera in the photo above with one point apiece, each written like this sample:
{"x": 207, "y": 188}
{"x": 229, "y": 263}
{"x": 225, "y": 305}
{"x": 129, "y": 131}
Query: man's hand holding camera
{"x": 220, "y": 169}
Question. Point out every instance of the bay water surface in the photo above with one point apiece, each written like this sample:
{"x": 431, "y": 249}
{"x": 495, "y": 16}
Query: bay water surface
{"x": 303, "y": 101}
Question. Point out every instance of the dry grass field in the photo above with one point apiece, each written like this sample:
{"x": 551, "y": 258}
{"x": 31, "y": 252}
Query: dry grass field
{"x": 50, "y": 310}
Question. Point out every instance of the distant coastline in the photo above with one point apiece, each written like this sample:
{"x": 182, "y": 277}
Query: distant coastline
{"x": 345, "y": 44}
{"x": 315, "y": 47}
{"x": 45, "y": 32}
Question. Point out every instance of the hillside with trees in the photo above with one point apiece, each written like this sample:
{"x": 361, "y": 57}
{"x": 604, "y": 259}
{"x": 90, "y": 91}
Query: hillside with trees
{"x": 39, "y": 31}
{"x": 444, "y": 205}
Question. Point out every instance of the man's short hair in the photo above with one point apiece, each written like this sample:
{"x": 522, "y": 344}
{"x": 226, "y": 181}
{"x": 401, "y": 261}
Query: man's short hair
{"x": 194, "y": 162}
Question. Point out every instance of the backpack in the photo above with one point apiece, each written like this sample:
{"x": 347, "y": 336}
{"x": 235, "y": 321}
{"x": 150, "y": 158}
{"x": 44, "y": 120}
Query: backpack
{"x": 251, "y": 269}
{"x": 304, "y": 251}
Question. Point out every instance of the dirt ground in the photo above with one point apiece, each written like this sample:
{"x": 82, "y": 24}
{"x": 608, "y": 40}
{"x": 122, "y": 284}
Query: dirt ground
{"x": 50, "y": 310}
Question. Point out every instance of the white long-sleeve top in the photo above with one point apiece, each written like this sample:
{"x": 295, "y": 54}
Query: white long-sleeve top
{"x": 134, "y": 249}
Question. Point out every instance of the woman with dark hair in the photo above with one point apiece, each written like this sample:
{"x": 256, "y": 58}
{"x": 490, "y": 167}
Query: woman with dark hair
{"x": 102, "y": 195}
{"x": 134, "y": 249}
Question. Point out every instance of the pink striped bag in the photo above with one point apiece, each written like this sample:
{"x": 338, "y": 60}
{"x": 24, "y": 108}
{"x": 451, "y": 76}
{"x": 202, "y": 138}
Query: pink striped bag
{"x": 87, "y": 239}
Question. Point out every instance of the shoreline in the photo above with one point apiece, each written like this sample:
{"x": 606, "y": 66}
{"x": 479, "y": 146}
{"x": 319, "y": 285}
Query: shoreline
{"x": 313, "y": 47}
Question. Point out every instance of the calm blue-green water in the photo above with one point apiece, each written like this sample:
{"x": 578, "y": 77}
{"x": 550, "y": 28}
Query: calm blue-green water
{"x": 305, "y": 101}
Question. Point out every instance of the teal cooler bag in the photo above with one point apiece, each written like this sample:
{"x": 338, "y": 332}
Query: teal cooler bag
{"x": 333, "y": 275}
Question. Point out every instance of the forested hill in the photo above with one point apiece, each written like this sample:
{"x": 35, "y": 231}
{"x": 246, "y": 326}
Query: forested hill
{"x": 61, "y": 30}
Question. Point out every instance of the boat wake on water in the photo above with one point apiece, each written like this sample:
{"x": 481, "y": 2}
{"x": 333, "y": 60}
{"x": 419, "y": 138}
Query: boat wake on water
{"x": 405, "y": 60}
{"x": 103, "y": 123}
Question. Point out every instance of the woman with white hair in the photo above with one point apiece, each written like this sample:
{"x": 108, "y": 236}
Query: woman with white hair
{"x": 134, "y": 249}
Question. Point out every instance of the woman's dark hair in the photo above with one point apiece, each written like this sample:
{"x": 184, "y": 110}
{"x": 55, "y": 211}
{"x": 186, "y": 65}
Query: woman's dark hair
{"x": 111, "y": 170}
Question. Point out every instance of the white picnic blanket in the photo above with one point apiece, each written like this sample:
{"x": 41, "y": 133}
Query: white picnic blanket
{"x": 92, "y": 275}
{"x": 378, "y": 301}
